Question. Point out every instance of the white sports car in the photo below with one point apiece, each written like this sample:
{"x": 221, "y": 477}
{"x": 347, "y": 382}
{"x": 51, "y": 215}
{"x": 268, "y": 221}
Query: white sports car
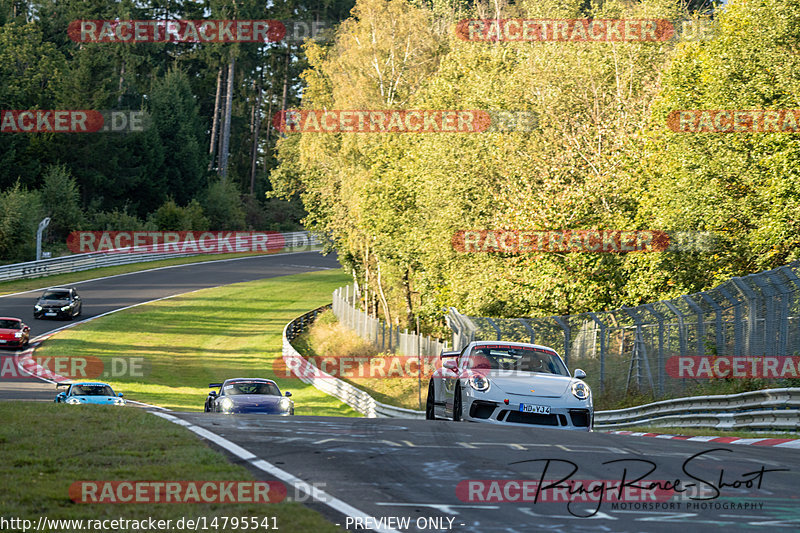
{"x": 509, "y": 383}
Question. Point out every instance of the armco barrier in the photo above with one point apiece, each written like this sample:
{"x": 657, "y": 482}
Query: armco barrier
{"x": 771, "y": 409}
{"x": 87, "y": 261}
{"x": 352, "y": 396}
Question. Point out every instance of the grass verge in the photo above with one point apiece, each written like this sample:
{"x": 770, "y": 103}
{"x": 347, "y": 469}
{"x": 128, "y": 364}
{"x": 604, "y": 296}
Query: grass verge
{"x": 105, "y": 443}
{"x": 185, "y": 342}
{"x": 10, "y": 287}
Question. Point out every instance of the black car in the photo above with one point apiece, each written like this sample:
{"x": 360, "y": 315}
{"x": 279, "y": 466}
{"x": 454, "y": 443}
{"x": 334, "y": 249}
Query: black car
{"x": 58, "y": 302}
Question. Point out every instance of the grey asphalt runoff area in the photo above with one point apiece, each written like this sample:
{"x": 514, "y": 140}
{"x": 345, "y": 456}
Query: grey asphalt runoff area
{"x": 411, "y": 469}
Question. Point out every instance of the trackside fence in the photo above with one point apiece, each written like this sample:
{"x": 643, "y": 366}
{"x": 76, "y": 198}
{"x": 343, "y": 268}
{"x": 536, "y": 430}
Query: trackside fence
{"x": 87, "y": 261}
{"x": 383, "y": 336}
{"x": 660, "y": 348}
{"x": 768, "y": 410}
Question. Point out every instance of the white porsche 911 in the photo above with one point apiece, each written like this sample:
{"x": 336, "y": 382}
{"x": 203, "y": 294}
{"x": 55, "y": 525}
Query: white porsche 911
{"x": 509, "y": 383}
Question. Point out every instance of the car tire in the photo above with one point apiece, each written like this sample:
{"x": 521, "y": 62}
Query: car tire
{"x": 457, "y": 405}
{"x": 430, "y": 403}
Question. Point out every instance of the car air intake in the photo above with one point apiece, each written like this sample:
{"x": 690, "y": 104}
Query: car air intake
{"x": 580, "y": 417}
{"x": 517, "y": 417}
{"x": 481, "y": 409}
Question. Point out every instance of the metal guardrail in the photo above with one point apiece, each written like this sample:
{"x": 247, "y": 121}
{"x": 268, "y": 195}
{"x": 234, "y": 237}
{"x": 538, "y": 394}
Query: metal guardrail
{"x": 87, "y": 261}
{"x": 770, "y": 409}
{"x": 356, "y": 398}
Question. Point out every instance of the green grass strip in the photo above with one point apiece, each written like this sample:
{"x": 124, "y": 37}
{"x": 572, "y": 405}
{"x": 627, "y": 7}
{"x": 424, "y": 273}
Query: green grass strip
{"x": 47, "y": 447}
{"x": 189, "y": 341}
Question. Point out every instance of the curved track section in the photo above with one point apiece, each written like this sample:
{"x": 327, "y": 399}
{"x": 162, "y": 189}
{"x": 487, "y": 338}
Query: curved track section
{"x": 108, "y": 294}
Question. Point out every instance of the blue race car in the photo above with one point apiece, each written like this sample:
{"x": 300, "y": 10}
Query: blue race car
{"x": 89, "y": 392}
{"x": 248, "y": 395}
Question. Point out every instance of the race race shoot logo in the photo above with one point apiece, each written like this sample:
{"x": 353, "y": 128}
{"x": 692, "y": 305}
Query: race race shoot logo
{"x": 65, "y": 121}
{"x": 353, "y": 367}
{"x": 177, "y": 492}
{"x": 176, "y": 31}
{"x": 724, "y": 367}
{"x": 183, "y": 242}
{"x": 734, "y": 121}
{"x": 403, "y": 121}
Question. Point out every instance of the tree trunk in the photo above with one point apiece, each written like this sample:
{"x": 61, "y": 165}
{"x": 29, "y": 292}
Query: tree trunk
{"x": 407, "y": 293}
{"x": 215, "y": 121}
{"x": 226, "y": 131}
{"x": 286, "y": 77}
{"x": 256, "y": 132}
{"x": 386, "y": 314}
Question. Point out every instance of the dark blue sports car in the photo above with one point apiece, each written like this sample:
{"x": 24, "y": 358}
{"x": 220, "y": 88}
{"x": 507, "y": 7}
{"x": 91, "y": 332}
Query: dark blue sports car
{"x": 248, "y": 395}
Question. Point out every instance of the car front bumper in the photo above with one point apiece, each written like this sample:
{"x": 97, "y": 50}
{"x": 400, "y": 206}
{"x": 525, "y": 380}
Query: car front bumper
{"x": 578, "y": 417}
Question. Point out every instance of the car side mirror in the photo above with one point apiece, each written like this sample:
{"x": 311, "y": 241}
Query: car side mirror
{"x": 212, "y": 393}
{"x": 288, "y": 394}
{"x": 450, "y": 364}
{"x": 579, "y": 374}
{"x": 120, "y": 395}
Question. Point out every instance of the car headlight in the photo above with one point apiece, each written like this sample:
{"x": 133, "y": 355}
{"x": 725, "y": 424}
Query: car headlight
{"x": 286, "y": 404}
{"x": 37, "y": 307}
{"x": 479, "y": 383}
{"x": 226, "y": 404}
{"x": 18, "y": 334}
{"x": 73, "y": 401}
{"x": 581, "y": 390}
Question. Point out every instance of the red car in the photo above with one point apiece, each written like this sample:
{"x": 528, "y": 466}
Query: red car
{"x": 13, "y": 332}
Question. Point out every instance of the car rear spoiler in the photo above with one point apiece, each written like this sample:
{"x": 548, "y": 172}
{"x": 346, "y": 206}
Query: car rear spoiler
{"x": 63, "y": 385}
{"x": 214, "y": 385}
{"x": 449, "y": 354}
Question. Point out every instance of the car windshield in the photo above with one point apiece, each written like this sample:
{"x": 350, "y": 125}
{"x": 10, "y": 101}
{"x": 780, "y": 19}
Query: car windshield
{"x": 516, "y": 359}
{"x": 56, "y": 295}
{"x": 252, "y": 387}
{"x": 91, "y": 390}
{"x": 10, "y": 324}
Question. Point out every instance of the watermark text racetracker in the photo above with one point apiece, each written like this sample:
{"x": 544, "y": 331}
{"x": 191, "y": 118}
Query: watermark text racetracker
{"x": 196, "y": 31}
{"x": 404, "y": 121}
{"x": 583, "y": 30}
{"x": 73, "y": 121}
{"x": 726, "y": 367}
{"x": 73, "y": 367}
{"x": 734, "y": 121}
{"x": 578, "y": 240}
{"x": 188, "y": 242}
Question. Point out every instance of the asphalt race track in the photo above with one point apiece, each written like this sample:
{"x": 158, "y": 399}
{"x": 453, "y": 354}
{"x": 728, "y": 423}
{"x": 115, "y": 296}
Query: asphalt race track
{"x": 104, "y": 295}
{"x": 404, "y": 474}
{"x": 411, "y": 468}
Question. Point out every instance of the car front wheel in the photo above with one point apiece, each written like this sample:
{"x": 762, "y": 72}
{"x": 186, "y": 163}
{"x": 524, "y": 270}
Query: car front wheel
{"x": 430, "y": 403}
{"x": 457, "y": 405}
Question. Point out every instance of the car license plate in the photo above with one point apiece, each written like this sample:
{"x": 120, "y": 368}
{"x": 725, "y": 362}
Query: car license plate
{"x": 50, "y": 314}
{"x": 537, "y": 409}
